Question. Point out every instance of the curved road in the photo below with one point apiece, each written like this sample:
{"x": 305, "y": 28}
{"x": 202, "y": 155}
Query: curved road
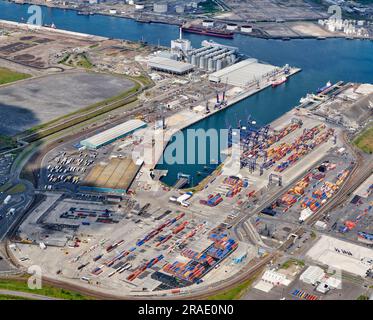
{"x": 26, "y": 295}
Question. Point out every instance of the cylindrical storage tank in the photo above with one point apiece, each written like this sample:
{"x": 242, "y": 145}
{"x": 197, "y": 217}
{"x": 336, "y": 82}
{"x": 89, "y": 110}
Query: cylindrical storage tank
{"x": 202, "y": 63}
{"x": 208, "y": 23}
{"x": 160, "y": 7}
{"x": 179, "y": 9}
{"x": 139, "y": 6}
{"x": 232, "y": 26}
{"x": 210, "y": 65}
{"x": 247, "y": 28}
{"x": 233, "y": 58}
{"x": 218, "y": 65}
{"x": 193, "y": 60}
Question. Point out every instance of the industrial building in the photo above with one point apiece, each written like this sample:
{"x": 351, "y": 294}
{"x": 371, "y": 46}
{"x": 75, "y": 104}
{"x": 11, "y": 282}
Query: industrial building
{"x": 243, "y": 73}
{"x": 113, "y": 134}
{"x": 169, "y": 65}
{"x": 342, "y": 255}
{"x": 212, "y": 57}
{"x": 312, "y": 275}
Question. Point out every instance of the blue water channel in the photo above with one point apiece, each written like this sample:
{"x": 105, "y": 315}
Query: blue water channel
{"x": 321, "y": 61}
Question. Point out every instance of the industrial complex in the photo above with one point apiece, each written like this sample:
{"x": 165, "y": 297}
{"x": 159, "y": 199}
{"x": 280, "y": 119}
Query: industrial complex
{"x": 177, "y": 184}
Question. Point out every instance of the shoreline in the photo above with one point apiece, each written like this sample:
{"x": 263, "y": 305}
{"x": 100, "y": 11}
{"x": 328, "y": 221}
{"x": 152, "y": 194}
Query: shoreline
{"x": 257, "y": 35}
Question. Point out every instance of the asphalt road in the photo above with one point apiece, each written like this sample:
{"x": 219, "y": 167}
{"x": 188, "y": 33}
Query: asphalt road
{"x": 26, "y": 295}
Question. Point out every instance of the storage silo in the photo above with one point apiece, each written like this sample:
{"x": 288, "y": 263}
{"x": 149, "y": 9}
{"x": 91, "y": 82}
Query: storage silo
{"x": 208, "y": 23}
{"x": 193, "y": 60}
{"x": 179, "y": 9}
{"x": 218, "y": 64}
{"x": 160, "y": 7}
{"x": 210, "y": 65}
{"x": 202, "y": 62}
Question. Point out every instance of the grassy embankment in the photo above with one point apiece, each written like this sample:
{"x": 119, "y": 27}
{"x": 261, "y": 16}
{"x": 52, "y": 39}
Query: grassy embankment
{"x": 46, "y": 290}
{"x": 209, "y": 6}
{"x": 9, "y": 76}
{"x": 10, "y": 297}
{"x": 291, "y": 262}
{"x": 236, "y": 292}
{"x": 365, "y": 141}
{"x": 7, "y": 143}
{"x": 76, "y": 60}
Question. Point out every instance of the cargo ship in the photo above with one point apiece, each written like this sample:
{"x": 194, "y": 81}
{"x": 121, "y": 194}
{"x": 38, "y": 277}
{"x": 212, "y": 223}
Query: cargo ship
{"x": 208, "y": 32}
{"x": 279, "y": 82}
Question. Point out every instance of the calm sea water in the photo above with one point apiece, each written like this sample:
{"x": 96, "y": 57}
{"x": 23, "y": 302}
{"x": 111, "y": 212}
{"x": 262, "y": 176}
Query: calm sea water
{"x": 321, "y": 61}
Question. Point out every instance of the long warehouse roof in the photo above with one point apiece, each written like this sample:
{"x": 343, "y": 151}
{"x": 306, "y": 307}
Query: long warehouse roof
{"x": 243, "y": 72}
{"x": 114, "y": 133}
{"x": 170, "y": 65}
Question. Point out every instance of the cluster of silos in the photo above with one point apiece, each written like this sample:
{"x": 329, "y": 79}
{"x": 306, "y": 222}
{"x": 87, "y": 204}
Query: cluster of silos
{"x": 212, "y": 58}
{"x": 160, "y": 7}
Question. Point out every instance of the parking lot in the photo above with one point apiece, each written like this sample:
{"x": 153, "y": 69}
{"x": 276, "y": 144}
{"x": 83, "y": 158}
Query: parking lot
{"x": 5, "y": 165}
{"x": 64, "y": 170}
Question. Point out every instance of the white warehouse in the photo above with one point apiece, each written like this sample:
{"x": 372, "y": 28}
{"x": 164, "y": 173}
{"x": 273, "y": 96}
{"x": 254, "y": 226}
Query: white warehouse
{"x": 243, "y": 72}
{"x": 169, "y": 65}
{"x": 106, "y": 137}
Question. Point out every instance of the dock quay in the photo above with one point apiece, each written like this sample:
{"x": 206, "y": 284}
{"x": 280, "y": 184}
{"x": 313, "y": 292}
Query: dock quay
{"x": 187, "y": 118}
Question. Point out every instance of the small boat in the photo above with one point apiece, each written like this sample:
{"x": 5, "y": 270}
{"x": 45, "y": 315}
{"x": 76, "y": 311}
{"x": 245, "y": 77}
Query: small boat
{"x": 322, "y": 89}
{"x": 279, "y": 82}
{"x": 53, "y": 26}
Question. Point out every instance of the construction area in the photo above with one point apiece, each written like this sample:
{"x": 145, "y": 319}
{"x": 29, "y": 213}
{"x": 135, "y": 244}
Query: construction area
{"x": 270, "y": 10}
{"x": 37, "y": 101}
{"x": 346, "y": 104}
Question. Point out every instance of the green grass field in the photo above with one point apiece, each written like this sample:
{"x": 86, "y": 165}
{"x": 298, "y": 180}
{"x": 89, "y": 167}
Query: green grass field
{"x": 8, "y": 76}
{"x": 7, "y": 142}
{"x": 84, "y": 62}
{"x": 365, "y": 141}
{"x": 9, "y": 297}
{"x": 234, "y": 293}
{"x": 46, "y": 290}
{"x": 18, "y": 188}
{"x": 209, "y": 6}
{"x": 290, "y": 262}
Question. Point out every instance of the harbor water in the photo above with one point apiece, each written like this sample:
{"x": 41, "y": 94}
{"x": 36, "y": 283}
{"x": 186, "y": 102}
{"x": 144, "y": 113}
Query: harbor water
{"x": 321, "y": 61}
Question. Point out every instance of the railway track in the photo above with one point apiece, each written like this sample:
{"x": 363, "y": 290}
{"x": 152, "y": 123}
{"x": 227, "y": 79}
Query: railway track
{"x": 202, "y": 294}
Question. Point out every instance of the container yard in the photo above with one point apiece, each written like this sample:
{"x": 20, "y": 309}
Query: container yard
{"x": 354, "y": 220}
{"x": 312, "y": 192}
{"x": 168, "y": 249}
